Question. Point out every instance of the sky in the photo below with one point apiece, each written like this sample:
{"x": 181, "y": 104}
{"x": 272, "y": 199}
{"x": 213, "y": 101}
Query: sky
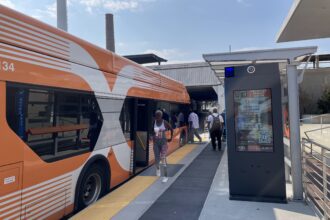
{"x": 177, "y": 30}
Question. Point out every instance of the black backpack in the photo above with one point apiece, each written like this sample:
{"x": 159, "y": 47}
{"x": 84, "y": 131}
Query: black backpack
{"x": 216, "y": 125}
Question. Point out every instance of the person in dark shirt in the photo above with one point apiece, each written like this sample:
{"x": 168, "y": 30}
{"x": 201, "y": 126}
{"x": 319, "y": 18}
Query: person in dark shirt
{"x": 174, "y": 120}
{"x": 181, "y": 119}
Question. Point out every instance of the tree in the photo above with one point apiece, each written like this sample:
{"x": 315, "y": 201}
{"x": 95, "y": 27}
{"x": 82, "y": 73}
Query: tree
{"x": 324, "y": 102}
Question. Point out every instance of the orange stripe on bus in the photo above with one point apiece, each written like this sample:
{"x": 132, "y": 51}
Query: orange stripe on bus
{"x": 47, "y": 191}
{"x": 26, "y": 45}
{"x": 43, "y": 208}
{"x": 118, "y": 174}
{"x": 34, "y": 60}
{"x": 34, "y": 189}
{"x": 34, "y": 32}
{"x": 27, "y": 52}
{"x": 31, "y": 207}
{"x": 33, "y": 39}
{"x": 42, "y": 197}
{"x": 38, "y": 75}
{"x": 20, "y": 18}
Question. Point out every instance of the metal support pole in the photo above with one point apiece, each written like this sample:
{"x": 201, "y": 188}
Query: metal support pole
{"x": 321, "y": 124}
{"x": 295, "y": 147}
{"x": 62, "y": 16}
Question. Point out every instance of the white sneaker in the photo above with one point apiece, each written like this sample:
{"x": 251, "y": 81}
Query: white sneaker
{"x": 157, "y": 172}
{"x": 164, "y": 179}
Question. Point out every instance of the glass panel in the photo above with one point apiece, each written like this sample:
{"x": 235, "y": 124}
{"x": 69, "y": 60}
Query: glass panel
{"x": 68, "y": 108}
{"x": 40, "y": 113}
{"x": 55, "y": 125}
{"x": 174, "y": 115}
{"x": 125, "y": 119}
{"x": 253, "y": 120}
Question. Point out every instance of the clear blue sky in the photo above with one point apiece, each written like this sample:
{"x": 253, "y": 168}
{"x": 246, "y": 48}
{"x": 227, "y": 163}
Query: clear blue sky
{"x": 178, "y": 30}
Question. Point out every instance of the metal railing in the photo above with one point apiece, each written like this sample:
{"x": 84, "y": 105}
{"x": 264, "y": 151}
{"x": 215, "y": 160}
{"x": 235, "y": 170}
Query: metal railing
{"x": 315, "y": 130}
{"x": 316, "y": 176}
{"x": 320, "y": 120}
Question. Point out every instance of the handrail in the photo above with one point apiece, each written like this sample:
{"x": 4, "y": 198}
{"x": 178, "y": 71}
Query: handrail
{"x": 321, "y": 122}
{"x": 317, "y": 144}
{"x": 55, "y": 129}
{"x": 316, "y": 116}
{"x": 143, "y": 145}
{"x": 315, "y": 154}
{"x": 318, "y": 129}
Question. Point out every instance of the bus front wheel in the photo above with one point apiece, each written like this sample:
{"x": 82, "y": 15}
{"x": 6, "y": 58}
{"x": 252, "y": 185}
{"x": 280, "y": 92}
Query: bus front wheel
{"x": 92, "y": 187}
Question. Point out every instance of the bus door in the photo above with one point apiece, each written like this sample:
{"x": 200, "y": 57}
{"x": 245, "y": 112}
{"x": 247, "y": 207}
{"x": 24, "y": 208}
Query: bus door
{"x": 142, "y": 124}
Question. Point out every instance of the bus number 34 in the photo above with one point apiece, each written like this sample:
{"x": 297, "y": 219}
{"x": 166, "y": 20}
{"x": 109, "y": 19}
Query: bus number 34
{"x": 7, "y": 66}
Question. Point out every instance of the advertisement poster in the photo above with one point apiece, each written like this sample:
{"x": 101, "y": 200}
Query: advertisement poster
{"x": 253, "y": 120}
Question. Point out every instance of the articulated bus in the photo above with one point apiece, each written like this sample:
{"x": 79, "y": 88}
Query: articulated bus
{"x": 75, "y": 119}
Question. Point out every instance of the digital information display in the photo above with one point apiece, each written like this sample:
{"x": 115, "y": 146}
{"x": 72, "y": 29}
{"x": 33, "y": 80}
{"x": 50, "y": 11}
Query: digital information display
{"x": 253, "y": 120}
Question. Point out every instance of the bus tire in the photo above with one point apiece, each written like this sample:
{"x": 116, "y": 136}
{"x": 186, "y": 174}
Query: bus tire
{"x": 93, "y": 185}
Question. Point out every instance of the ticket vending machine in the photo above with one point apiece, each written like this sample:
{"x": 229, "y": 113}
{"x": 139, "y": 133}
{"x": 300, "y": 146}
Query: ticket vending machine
{"x": 255, "y": 135}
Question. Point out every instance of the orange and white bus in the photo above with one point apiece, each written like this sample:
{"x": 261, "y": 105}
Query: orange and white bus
{"x": 74, "y": 119}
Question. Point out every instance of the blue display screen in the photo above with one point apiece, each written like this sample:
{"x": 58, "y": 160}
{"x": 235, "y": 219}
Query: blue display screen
{"x": 229, "y": 72}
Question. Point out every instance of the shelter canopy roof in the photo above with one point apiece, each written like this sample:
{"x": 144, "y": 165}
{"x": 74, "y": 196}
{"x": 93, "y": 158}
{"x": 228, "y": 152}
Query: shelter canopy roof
{"x": 307, "y": 19}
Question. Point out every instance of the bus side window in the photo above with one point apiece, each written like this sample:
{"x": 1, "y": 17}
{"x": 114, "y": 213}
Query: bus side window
{"x": 55, "y": 124}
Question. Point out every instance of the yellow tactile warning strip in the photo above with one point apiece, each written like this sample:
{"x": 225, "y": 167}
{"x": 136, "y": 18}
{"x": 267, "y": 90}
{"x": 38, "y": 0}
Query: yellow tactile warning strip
{"x": 179, "y": 154}
{"x": 111, "y": 204}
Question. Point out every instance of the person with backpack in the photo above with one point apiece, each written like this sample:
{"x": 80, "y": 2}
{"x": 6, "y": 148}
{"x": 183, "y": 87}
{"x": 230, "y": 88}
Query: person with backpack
{"x": 215, "y": 123}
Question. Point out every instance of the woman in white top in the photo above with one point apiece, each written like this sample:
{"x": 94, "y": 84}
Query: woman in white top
{"x": 160, "y": 143}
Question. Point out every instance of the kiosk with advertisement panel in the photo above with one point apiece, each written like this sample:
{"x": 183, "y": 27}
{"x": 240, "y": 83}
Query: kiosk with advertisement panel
{"x": 255, "y": 135}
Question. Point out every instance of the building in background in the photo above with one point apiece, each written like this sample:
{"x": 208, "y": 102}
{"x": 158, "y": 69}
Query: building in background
{"x": 204, "y": 87}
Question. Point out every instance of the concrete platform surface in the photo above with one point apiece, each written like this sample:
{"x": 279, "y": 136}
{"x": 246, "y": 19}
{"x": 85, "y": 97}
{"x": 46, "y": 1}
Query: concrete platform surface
{"x": 218, "y": 206}
{"x": 184, "y": 199}
{"x": 184, "y": 156}
{"x": 131, "y": 200}
{"x": 146, "y": 197}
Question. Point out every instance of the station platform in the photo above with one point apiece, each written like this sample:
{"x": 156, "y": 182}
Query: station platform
{"x": 197, "y": 189}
